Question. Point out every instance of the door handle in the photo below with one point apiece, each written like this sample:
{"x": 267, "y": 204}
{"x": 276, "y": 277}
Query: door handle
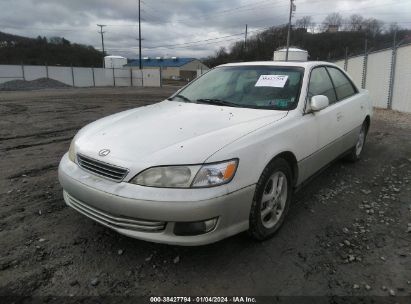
{"x": 339, "y": 116}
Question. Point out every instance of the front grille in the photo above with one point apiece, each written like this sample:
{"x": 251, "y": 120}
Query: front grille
{"x": 113, "y": 221}
{"x": 100, "y": 168}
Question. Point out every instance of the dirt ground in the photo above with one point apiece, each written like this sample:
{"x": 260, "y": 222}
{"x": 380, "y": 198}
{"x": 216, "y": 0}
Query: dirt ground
{"x": 347, "y": 233}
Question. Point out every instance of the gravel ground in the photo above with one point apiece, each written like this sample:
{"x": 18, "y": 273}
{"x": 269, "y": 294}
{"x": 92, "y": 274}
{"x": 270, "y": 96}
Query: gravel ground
{"x": 347, "y": 233}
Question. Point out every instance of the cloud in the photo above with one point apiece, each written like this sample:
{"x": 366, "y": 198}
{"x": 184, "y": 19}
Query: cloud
{"x": 174, "y": 23}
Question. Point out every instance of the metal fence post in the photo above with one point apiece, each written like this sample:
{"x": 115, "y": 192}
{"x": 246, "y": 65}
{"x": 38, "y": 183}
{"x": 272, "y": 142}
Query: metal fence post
{"x": 346, "y": 59}
{"x": 114, "y": 78}
{"x": 47, "y": 71}
{"x": 392, "y": 72}
{"x": 161, "y": 77}
{"x": 72, "y": 75}
{"x": 142, "y": 76}
{"x": 364, "y": 67}
{"x": 131, "y": 77}
{"x": 94, "y": 77}
{"x": 22, "y": 71}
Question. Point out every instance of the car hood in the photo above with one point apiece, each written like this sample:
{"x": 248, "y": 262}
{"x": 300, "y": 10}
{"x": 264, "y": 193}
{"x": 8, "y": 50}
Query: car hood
{"x": 169, "y": 133}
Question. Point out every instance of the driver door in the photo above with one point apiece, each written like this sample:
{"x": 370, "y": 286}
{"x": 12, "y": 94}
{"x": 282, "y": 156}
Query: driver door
{"x": 327, "y": 123}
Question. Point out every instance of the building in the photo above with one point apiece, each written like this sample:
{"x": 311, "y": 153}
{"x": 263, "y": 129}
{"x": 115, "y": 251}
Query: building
{"x": 114, "y": 62}
{"x": 173, "y": 68}
{"x": 332, "y": 28}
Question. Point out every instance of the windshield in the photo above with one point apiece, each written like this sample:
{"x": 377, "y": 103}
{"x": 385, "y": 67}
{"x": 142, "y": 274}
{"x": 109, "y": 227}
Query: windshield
{"x": 266, "y": 87}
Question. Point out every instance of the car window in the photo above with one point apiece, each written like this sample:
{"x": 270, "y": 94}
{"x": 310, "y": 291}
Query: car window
{"x": 342, "y": 84}
{"x": 320, "y": 84}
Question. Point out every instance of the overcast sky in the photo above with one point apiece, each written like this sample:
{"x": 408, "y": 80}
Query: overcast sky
{"x": 185, "y": 28}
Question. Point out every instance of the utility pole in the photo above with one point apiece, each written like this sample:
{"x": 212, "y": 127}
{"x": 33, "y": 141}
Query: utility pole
{"x": 292, "y": 9}
{"x": 245, "y": 37}
{"x": 139, "y": 34}
{"x": 102, "y": 40}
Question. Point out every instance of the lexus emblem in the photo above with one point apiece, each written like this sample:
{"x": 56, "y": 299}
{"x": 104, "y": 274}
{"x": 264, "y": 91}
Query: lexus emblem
{"x": 104, "y": 152}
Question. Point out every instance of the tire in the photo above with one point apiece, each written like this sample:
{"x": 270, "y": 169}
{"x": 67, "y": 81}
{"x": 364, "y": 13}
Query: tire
{"x": 264, "y": 222}
{"x": 356, "y": 152}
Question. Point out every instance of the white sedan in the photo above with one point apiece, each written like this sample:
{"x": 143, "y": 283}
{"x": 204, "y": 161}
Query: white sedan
{"x": 221, "y": 156}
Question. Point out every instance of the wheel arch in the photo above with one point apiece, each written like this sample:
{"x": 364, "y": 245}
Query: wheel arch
{"x": 367, "y": 121}
{"x": 290, "y": 158}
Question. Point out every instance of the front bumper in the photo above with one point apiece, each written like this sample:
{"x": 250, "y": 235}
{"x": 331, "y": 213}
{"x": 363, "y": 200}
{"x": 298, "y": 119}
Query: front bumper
{"x": 151, "y": 213}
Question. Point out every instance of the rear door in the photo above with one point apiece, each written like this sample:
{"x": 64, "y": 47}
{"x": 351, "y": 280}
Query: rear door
{"x": 351, "y": 107}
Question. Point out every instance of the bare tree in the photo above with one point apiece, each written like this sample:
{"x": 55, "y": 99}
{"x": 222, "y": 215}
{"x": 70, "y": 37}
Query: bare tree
{"x": 355, "y": 23}
{"x": 373, "y": 26}
{"x": 304, "y": 22}
{"x": 55, "y": 40}
{"x": 393, "y": 27}
{"x": 333, "y": 22}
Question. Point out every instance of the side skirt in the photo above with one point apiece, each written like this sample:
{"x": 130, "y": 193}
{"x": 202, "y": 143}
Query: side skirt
{"x": 319, "y": 171}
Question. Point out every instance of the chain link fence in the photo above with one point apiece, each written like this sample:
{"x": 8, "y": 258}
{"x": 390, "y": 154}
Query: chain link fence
{"x": 386, "y": 74}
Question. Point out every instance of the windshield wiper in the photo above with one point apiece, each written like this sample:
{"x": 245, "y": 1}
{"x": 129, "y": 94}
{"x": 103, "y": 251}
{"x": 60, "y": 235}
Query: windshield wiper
{"x": 181, "y": 97}
{"x": 216, "y": 101}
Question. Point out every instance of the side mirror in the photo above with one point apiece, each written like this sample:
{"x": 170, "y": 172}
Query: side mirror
{"x": 319, "y": 102}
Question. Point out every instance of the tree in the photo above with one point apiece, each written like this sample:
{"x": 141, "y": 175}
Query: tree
{"x": 320, "y": 46}
{"x": 373, "y": 26}
{"x": 54, "y": 51}
{"x": 222, "y": 52}
{"x": 55, "y": 40}
{"x": 355, "y": 23}
{"x": 393, "y": 27}
{"x": 304, "y": 22}
{"x": 333, "y": 22}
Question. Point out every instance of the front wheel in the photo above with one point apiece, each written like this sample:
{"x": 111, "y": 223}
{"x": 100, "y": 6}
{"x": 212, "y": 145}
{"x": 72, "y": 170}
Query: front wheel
{"x": 271, "y": 200}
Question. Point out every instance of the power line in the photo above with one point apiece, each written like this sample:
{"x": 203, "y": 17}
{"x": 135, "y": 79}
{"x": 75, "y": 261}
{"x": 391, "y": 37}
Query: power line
{"x": 242, "y": 8}
{"x": 209, "y": 40}
{"x": 148, "y": 13}
{"x": 354, "y": 9}
{"x": 204, "y": 41}
{"x": 149, "y": 6}
{"x": 181, "y": 47}
{"x": 215, "y": 40}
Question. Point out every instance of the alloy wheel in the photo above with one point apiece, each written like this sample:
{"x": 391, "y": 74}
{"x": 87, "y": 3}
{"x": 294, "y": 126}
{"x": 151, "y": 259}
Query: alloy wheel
{"x": 274, "y": 199}
{"x": 360, "y": 142}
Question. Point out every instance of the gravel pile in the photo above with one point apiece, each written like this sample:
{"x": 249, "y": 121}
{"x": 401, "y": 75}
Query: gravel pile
{"x": 37, "y": 84}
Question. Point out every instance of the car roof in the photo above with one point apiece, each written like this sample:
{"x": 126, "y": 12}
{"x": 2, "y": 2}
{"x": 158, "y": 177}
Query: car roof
{"x": 303, "y": 64}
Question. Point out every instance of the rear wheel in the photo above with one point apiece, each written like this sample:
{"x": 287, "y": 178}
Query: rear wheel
{"x": 271, "y": 200}
{"x": 356, "y": 151}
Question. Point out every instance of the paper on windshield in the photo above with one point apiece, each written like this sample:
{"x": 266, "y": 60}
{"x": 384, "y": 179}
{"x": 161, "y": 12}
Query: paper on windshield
{"x": 276, "y": 81}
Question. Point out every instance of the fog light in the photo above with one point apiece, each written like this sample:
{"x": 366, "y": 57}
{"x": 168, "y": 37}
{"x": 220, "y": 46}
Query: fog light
{"x": 194, "y": 228}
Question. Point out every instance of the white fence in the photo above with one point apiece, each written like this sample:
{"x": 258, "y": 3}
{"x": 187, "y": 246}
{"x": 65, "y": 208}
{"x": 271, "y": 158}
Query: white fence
{"x": 83, "y": 77}
{"x": 386, "y": 74}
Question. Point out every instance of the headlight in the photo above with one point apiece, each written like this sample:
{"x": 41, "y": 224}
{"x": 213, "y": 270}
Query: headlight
{"x": 215, "y": 174}
{"x": 167, "y": 177}
{"x": 196, "y": 176}
{"x": 72, "y": 152}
